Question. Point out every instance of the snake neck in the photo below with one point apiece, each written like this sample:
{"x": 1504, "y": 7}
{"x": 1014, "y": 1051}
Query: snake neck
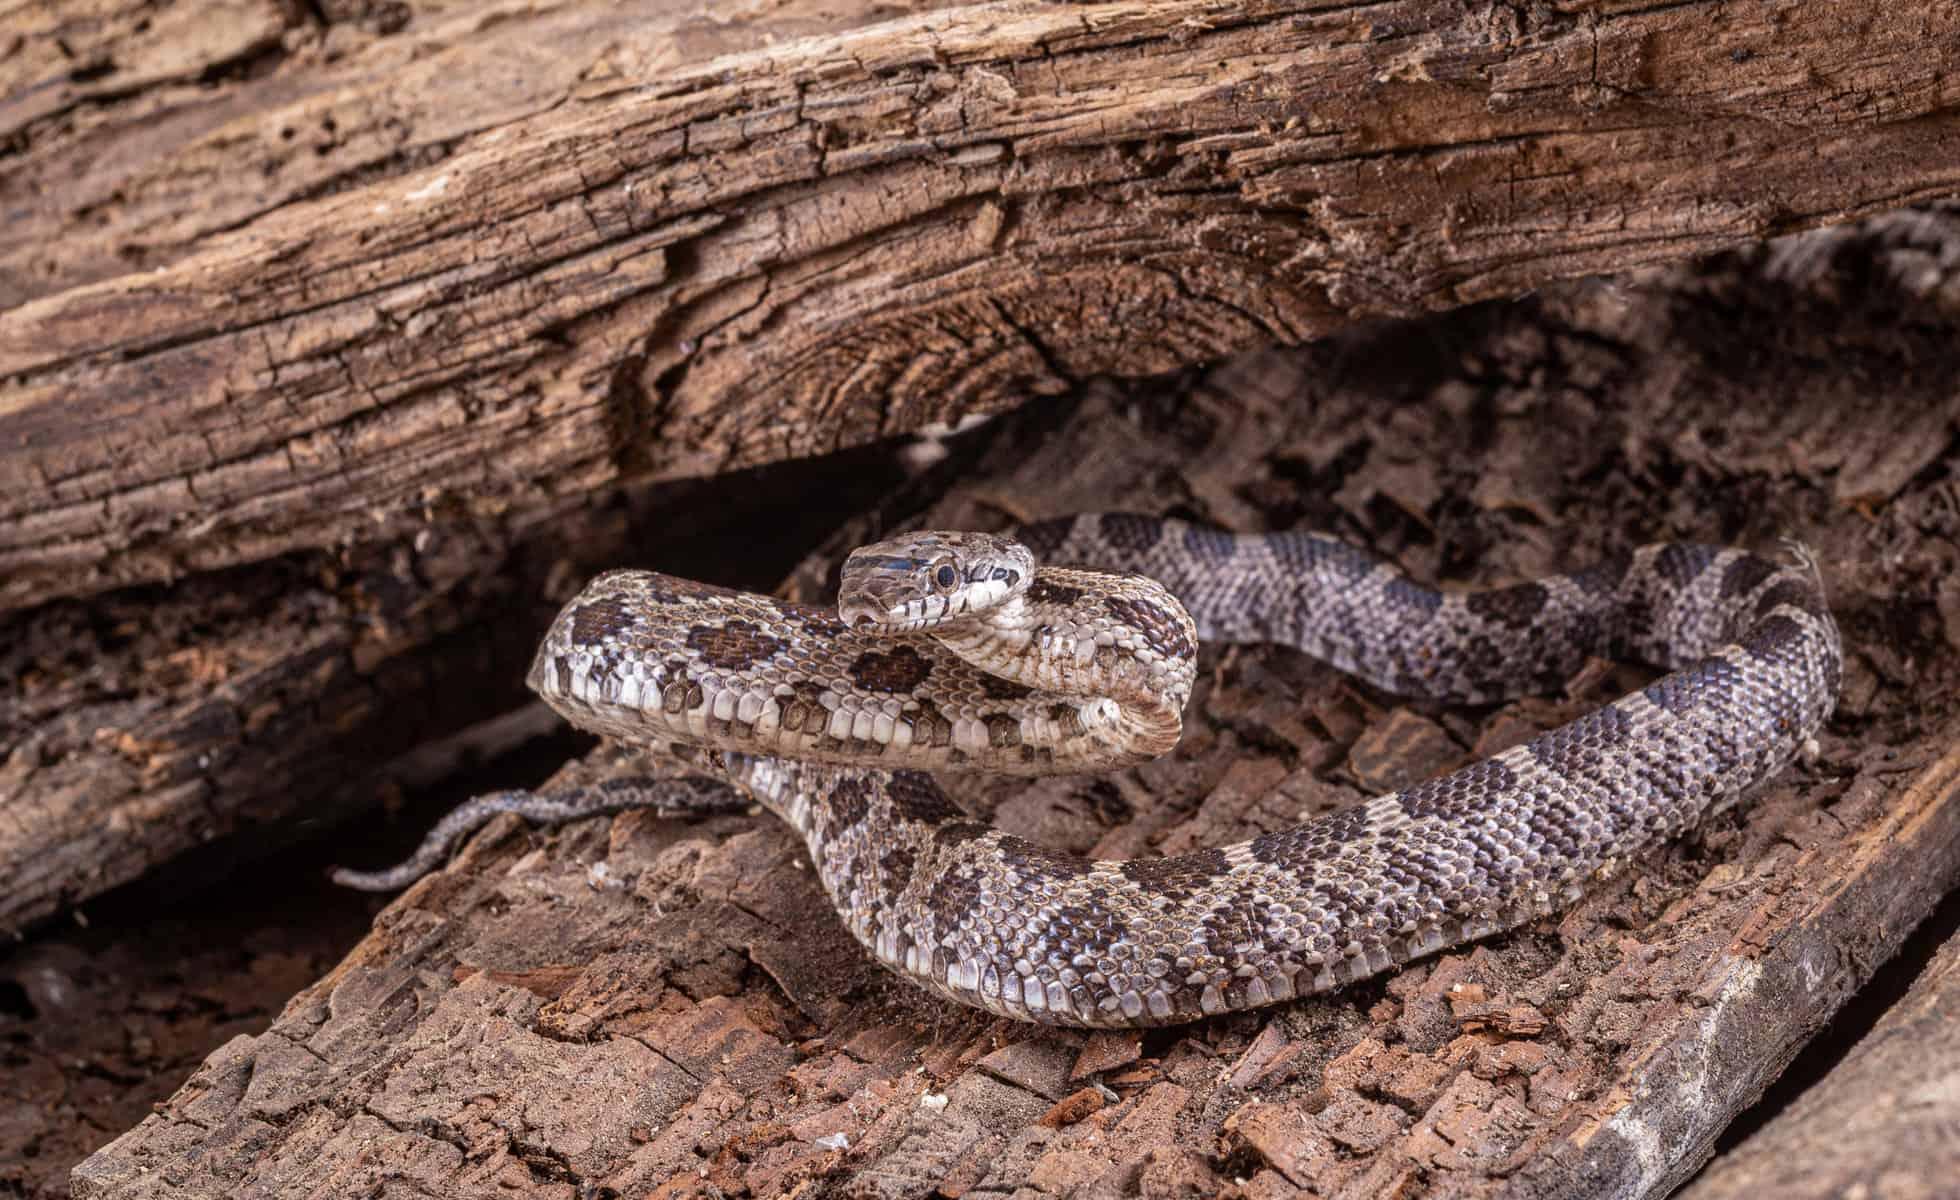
{"x": 1087, "y": 633}
{"x": 1123, "y": 644}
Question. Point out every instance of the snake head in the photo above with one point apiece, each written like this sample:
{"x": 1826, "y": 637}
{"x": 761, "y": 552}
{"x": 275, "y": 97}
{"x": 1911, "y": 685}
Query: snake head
{"x": 917, "y": 580}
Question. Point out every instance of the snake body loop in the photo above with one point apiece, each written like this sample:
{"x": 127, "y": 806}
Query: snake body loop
{"x": 833, "y": 719}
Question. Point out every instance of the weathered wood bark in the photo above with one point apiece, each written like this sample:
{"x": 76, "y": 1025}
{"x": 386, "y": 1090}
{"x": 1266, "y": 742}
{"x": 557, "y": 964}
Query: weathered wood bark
{"x": 664, "y": 1007}
{"x": 420, "y": 261}
{"x": 1884, "y": 1124}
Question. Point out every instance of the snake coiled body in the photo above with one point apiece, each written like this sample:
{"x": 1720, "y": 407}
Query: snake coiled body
{"x": 834, "y": 720}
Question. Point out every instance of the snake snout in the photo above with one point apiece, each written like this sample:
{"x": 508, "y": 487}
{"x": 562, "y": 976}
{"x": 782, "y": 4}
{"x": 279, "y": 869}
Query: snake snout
{"x": 857, "y": 614}
{"x": 878, "y": 598}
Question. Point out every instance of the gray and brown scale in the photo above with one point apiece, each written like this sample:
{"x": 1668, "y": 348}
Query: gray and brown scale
{"x": 834, "y": 728}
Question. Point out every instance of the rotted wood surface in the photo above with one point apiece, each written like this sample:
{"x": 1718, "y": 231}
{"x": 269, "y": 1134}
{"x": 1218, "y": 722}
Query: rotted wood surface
{"x": 286, "y": 276}
{"x": 667, "y": 1007}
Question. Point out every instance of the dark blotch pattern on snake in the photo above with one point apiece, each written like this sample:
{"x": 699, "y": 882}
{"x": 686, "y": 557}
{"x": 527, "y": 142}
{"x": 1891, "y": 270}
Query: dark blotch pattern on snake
{"x": 952, "y": 651}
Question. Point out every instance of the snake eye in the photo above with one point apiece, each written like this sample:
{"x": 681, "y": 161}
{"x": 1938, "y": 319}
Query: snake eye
{"x": 945, "y": 576}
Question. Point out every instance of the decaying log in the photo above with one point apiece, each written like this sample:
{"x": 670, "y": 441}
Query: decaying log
{"x": 277, "y": 282}
{"x": 1882, "y": 1124}
{"x": 667, "y": 1008}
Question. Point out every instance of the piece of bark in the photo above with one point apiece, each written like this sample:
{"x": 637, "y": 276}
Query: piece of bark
{"x": 419, "y": 258}
{"x": 687, "y": 981}
{"x": 1881, "y": 1124}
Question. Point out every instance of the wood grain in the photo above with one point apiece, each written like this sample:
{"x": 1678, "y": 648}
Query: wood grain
{"x": 276, "y": 284}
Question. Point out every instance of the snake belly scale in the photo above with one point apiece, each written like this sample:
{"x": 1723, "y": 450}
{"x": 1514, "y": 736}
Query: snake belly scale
{"x": 955, "y": 651}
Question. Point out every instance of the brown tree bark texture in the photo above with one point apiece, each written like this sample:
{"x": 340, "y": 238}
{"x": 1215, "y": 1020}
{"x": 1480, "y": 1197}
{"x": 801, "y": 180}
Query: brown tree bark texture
{"x": 667, "y": 1008}
{"x": 276, "y": 285}
{"x": 1884, "y": 1124}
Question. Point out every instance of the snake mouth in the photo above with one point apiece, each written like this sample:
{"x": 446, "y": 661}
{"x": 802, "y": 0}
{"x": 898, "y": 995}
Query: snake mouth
{"x": 860, "y": 615}
{"x": 871, "y": 612}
